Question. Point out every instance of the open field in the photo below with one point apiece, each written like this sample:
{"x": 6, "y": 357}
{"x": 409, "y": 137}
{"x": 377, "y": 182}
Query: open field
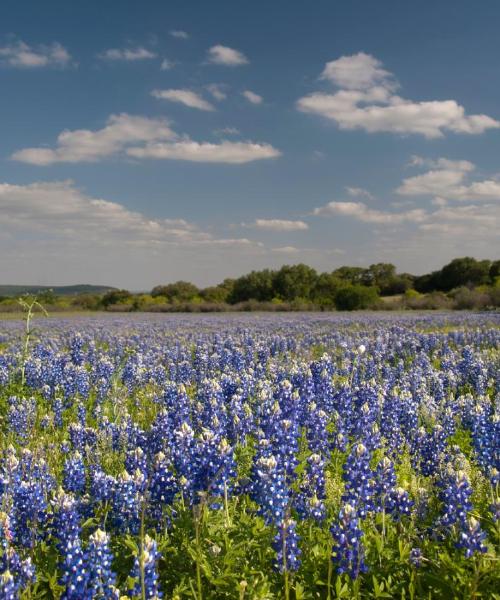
{"x": 250, "y": 456}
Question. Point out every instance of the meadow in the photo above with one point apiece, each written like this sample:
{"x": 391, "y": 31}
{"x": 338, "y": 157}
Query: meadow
{"x": 260, "y": 456}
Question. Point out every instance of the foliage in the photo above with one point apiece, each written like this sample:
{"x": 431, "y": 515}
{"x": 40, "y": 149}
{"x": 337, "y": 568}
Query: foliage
{"x": 355, "y": 297}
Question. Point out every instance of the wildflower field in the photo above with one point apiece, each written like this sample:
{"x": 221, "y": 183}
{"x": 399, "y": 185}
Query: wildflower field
{"x": 250, "y": 457}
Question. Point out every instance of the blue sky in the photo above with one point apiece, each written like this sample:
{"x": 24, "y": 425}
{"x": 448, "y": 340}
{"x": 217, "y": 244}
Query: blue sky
{"x": 143, "y": 142}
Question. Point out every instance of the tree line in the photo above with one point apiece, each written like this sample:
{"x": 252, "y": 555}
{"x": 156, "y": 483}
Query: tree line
{"x": 463, "y": 283}
{"x": 469, "y": 280}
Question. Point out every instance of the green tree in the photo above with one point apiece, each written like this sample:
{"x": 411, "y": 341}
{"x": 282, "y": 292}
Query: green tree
{"x": 218, "y": 293}
{"x": 383, "y": 276}
{"x": 180, "y": 291}
{"x": 355, "y": 297}
{"x": 295, "y": 281}
{"x": 116, "y": 297}
{"x": 494, "y": 270}
{"x": 325, "y": 288}
{"x": 257, "y": 285}
{"x": 350, "y": 274}
{"x": 463, "y": 271}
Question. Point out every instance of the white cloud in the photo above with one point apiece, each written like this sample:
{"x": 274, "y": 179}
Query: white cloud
{"x": 141, "y": 137}
{"x": 367, "y": 100}
{"x": 218, "y": 90}
{"x": 224, "y": 152}
{"x": 277, "y": 225}
{"x": 223, "y": 55}
{"x": 179, "y": 34}
{"x": 127, "y": 54}
{"x": 357, "y": 72}
{"x": 62, "y": 210}
{"x": 166, "y": 65}
{"x": 472, "y": 221}
{"x": 186, "y": 97}
{"x": 84, "y": 145}
{"x": 361, "y": 212}
{"x": 357, "y": 192}
{"x": 21, "y": 55}
{"x": 75, "y": 237}
{"x": 252, "y": 97}
{"x": 448, "y": 180}
{"x": 286, "y": 250}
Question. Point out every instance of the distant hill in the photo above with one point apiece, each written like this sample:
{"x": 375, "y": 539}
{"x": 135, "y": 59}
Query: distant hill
{"x": 59, "y": 290}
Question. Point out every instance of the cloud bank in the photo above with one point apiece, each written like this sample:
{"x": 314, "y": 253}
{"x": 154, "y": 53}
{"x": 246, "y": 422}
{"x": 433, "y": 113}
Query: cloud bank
{"x": 366, "y": 100}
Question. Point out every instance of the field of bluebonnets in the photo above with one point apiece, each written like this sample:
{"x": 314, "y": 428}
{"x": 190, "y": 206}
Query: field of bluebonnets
{"x": 250, "y": 457}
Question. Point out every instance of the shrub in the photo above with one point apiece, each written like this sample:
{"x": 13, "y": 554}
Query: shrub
{"x": 356, "y": 297}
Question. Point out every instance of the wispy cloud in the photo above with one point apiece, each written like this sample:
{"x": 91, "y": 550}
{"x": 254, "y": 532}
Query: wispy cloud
{"x": 449, "y": 179}
{"x": 361, "y": 212}
{"x": 227, "y": 131}
{"x": 252, "y": 97}
{"x": 179, "y": 34}
{"x": 367, "y": 100}
{"x": 277, "y": 225}
{"x": 218, "y": 90}
{"x": 235, "y": 153}
{"x": 167, "y": 64}
{"x": 223, "y": 55}
{"x": 286, "y": 250}
{"x": 20, "y": 55}
{"x": 357, "y": 192}
{"x": 186, "y": 97}
{"x": 127, "y": 54}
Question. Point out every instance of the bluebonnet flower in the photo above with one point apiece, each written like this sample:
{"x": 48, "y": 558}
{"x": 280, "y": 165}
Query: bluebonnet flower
{"x": 74, "y": 476}
{"x": 269, "y": 489}
{"x": 101, "y": 578}
{"x": 285, "y": 544}
{"x": 22, "y": 416}
{"x": 416, "y": 557}
{"x": 29, "y": 502}
{"x": 76, "y": 349}
{"x": 317, "y": 434}
{"x": 74, "y": 571}
{"x": 4, "y": 371}
{"x": 471, "y": 537}
{"x": 215, "y": 465}
{"x": 427, "y": 449}
{"x": 348, "y": 550}
{"x": 312, "y": 493}
{"x": 101, "y": 485}
{"x": 8, "y": 588}
{"x": 400, "y": 503}
{"x": 127, "y": 501}
{"x": 455, "y": 495}
{"x": 495, "y": 509}
{"x": 384, "y": 483}
{"x": 137, "y": 460}
{"x": 486, "y": 437}
{"x": 22, "y": 571}
{"x": 164, "y": 486}
{"x": 146, "y": 563}
{"x": 358, "y": 480}
{"x": 57, "y": 408}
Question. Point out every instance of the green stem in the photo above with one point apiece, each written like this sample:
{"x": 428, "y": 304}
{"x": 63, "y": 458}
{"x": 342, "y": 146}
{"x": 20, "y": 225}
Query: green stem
{"x": 329, "y": 580}
{"x": 197, "y": 520}
{"x": 226, "y": 506}
{"x": 285, "y": 570}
